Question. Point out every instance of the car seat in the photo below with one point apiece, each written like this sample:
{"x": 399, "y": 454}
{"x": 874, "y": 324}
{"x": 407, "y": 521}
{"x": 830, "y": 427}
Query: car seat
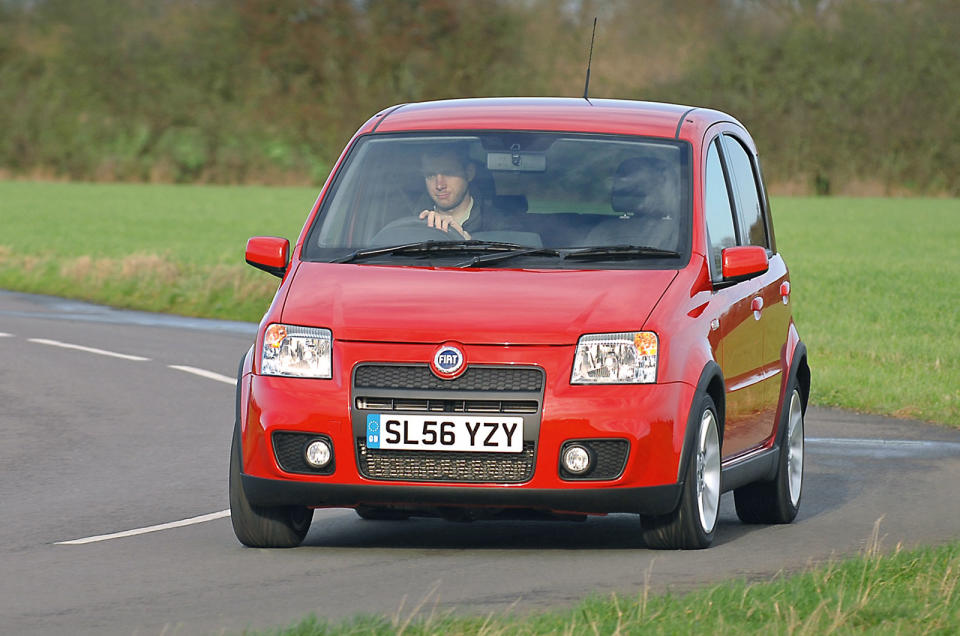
{"x": 643, "y": 193}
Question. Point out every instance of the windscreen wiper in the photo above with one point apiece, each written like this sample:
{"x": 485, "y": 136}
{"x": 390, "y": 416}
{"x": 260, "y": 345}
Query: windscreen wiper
{"x": 432, "y": 246}
{"x": 419, "y": 246}
{"x": 502, "y": 256}
{"x": 601, "y": 252}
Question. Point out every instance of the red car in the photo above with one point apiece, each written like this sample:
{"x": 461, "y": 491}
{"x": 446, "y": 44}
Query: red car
{"x": 527, "y": 307}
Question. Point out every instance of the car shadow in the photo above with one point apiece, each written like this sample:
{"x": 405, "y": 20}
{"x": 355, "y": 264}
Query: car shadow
{"x": 828, "y": 486}
{"x": 341, "y": 528}
{"x": 346, "y": 530}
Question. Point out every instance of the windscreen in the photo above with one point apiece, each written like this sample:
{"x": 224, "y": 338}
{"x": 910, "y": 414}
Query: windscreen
{"x": 536, "y": 190}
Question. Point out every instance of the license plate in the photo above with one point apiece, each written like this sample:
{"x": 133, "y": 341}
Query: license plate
{"x": 445, "y": 433}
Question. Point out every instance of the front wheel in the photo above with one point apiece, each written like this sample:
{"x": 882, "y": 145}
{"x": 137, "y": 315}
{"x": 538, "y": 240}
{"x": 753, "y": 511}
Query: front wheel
{"x": 263, "y": 526}
{"x": 692, "y": 524}
{"x": 778, "y": 501}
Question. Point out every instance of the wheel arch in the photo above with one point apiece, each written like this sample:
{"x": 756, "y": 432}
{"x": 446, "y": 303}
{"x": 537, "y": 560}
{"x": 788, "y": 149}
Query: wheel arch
{"x": 243, "y": 395}
{"x": 802, "y": 373}
{"x": 710, "y": 383}
{"x": 795, "y": 351}
{"x": 799, "y": 372}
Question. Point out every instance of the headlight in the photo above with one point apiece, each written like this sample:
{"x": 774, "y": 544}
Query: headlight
{"x": 302, "y": 352}
{"x": 616, "y": 358}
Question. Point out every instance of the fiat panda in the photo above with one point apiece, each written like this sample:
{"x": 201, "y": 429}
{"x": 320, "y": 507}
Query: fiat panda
{"x": 527, "y": 307}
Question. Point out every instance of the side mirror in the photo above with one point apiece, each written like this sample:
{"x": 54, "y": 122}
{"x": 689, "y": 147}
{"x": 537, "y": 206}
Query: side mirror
{"x": 744, "y": 261}
{"x": 268, "y": 253}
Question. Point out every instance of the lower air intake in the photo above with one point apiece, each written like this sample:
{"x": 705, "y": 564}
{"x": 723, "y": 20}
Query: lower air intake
{"x": 500, "y": 468}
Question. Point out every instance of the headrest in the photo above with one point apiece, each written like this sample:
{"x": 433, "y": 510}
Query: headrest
{"x": 637, "y": 183}
{"x": 483, "y": 184}
{"x": 513, "y": 203}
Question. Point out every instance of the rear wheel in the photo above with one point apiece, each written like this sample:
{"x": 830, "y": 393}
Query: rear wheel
{"x": 778, "y": 501}
{"x": 692, "y": 524}
{"x": 263, "y": 526}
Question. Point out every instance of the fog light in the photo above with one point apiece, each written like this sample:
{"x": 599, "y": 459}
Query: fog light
{"x": 576, "y": 459}
{"x": 318, "y": 453}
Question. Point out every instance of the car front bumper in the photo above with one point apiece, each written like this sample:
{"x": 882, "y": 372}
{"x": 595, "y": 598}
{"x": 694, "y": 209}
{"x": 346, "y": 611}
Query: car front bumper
{"x": 649, "y": 419}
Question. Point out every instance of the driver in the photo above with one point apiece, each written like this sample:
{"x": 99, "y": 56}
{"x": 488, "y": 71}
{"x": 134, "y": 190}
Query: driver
{"x": 448, "y": 173}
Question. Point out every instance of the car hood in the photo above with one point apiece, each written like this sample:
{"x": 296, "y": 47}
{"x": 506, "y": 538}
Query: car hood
{"x": 471, "y": 306}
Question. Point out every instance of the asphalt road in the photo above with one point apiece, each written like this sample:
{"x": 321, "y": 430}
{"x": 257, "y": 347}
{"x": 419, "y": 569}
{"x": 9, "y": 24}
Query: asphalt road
{"x": 92, "y": 444}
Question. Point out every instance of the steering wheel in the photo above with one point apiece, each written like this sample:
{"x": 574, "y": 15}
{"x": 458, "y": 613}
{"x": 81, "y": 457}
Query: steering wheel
{"x": 410, "y": 229}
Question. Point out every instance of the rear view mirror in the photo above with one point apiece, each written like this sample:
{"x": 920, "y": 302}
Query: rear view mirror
{"x": 517, "y": 161}
{"x": 268, "y": 253}
{"x": 744, "y": 261}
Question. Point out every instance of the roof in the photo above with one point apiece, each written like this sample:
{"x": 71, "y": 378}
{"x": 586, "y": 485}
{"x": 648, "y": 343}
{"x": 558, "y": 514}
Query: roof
{"x": 609, "y": 116}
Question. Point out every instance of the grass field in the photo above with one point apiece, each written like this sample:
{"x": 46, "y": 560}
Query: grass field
{"x": 876, "y": 281}
{"x": 915, "y": 592}
{"x": 877, "y": 299}
{"x": 165, "y": 248}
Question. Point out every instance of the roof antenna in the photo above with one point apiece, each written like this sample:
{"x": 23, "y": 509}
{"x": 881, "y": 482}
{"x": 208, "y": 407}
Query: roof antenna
{"x": 586, "y": 85}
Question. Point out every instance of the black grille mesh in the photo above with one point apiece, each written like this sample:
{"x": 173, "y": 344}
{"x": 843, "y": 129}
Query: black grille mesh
{"x": 289, "y": 448}
{"x": 611, "y": 457}
{"x": 473, "y": 379}
{"x": 442, "y": 466}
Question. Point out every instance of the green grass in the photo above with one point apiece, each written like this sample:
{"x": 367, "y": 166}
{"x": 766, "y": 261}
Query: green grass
{"x": 876, "y": 281}
{"x": 877, "y": 300}
{"x": 908, "y": 592}
{"x": 166, "y": 248}
{"x": 205, "y": 225}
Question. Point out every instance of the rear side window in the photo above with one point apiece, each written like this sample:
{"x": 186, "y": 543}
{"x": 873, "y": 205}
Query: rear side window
{"x": 744, "y": 183}
{"x": 719, "y": 212}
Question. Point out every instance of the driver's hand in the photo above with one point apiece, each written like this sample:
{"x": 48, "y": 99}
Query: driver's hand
{"x": 443, "y": 222}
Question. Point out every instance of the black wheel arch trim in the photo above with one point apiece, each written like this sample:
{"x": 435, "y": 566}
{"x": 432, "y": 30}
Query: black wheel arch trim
{"x": 711, "y": 373}
{"x": 797, "y": 365}
{"x": 798, "y": 362}
{"x": 239, "y": 399}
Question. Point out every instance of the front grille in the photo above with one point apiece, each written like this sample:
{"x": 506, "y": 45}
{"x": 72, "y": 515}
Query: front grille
{"x": 446, "y": 406}
{"x": 289, "y": 450}
{"x": 610, "y": 457}
{"x": 419, "y": 377}
{"x": 400, "y": 465}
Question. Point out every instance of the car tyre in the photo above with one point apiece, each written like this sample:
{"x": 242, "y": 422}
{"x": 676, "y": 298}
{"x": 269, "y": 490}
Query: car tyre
{"x": 778, "y": 501}
{"x": 693, "y": 524}
{"x": 263, "y": 526}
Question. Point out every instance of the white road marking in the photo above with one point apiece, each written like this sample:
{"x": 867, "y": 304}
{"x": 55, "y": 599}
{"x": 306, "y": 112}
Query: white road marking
{"x": 163, "y": 526}
{"x": 203, "y": 373}
{"x": 863, "y": 442}
{"x": 883, "y": 448}
{"x": 6, "y": 335}
{"x": 100, "y": 352}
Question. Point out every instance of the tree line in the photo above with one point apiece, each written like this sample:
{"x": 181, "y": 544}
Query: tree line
{"x": 841, "y": 95}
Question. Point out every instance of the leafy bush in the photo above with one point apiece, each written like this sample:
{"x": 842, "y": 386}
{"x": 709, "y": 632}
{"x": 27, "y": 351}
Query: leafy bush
{"x": 842, "y": 95}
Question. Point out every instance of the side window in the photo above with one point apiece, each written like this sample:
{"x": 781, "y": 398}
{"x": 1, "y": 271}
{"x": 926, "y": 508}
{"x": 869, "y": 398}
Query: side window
{"x": 748, "y": 197}
{"x": 719, "y": 213}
